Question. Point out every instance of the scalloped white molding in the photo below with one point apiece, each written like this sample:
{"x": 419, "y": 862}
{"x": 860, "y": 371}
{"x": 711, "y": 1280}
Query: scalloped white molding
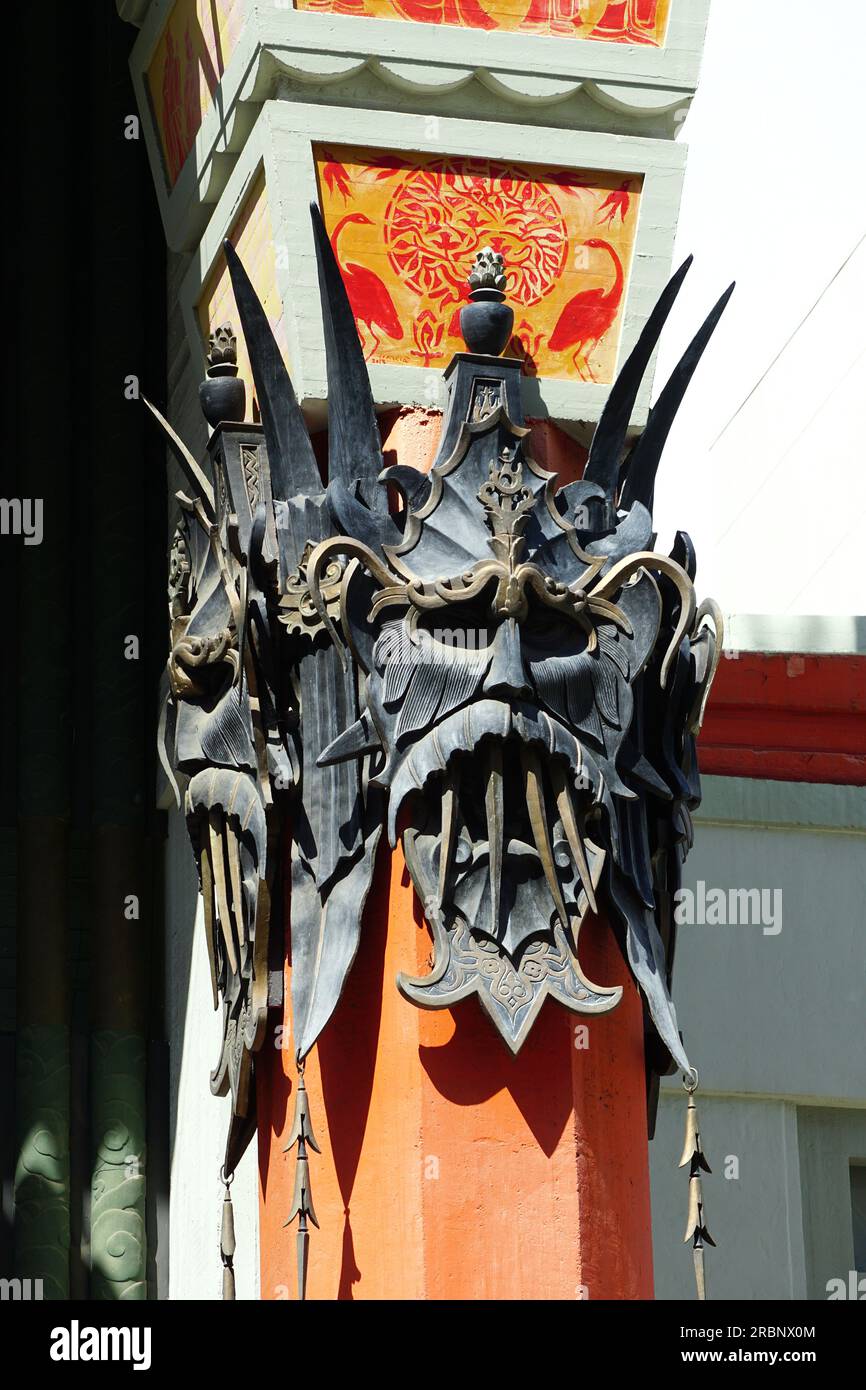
{"x": 282, "y": 142}
{"x": 417, "y": 62}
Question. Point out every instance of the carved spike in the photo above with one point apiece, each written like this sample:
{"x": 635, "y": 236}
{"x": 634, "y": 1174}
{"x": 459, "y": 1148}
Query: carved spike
{"x": 540, "y": 831}
{"x": 236, "y": 883}
{"x": 692, "y": 1151}
{"x": 639, "y": 486}
{"x": 359, "y": 738}
{"x": 302, "y": 1127}
{"x": 291, "y": 460}
{"x": 565, "y": 807}
{"x": 354, "y": 446}
{"x": 209, "y": 913}
{"x": 449, "y": 826}
{"x": 695, "y": 1227}
{"x": 602, "y": 466}
{"x": 493, "y": 805}
{"x": 693, "y": 1218}
{"x": 219, "y": 875}
{"x": 302, "y": 1197}
{"x": 190, "y": 468}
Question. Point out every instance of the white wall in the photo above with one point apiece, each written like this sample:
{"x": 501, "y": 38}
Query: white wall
{"x": 774, "y": 198}
{"x": 199, "y": 1120}
{"x": 775, "y": 1024}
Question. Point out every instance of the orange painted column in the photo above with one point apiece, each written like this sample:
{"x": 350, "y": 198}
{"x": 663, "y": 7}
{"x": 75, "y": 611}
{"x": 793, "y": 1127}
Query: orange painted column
{"x": 450, "y": 1169}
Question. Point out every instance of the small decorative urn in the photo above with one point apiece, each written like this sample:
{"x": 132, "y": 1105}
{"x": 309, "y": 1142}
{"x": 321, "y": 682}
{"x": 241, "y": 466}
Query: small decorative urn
{"x": 222, "y": 394}
{"x": 486, "y": 322}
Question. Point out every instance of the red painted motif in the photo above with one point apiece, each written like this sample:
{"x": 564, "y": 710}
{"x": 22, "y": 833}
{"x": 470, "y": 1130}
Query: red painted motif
{"x": 441, "y": 213}
{"x": 588, "y": 315}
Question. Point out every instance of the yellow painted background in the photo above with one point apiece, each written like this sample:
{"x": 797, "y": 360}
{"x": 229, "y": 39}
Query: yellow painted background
{"x": 187, "y": 65}
{"x": 252, "y": 237}
{"x": 623, "y": 21}
{"x": 416, "y": 221}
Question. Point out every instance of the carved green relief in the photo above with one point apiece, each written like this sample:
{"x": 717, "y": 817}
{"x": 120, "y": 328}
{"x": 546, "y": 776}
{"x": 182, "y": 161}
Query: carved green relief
{"x": 42, "y": 1168}
{"x": 117, "y": 1217}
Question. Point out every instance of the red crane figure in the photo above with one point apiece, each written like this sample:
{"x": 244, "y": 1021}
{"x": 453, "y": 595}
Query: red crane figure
{"x": 616, "y": 201}
{"x": 588, "y": 316}
{"x": 371, "y": 303}
{"x": 336, "y": 176}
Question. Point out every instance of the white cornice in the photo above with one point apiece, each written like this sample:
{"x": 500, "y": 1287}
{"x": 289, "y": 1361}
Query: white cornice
{"x": 634, "y": 86}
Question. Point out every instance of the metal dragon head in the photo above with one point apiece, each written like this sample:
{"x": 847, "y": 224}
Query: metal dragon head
{"x": 502, "y": 671}
{"x": 533, "y": 678}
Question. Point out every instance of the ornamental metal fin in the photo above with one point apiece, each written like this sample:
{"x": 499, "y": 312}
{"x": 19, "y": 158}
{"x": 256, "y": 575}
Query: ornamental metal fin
{"x": 191, "y": 469}
{"x": 292, "y": 462}
{"x": 354, "y": 445}
{"x": 639, "y": 485}
{"x": 605, "y": 453}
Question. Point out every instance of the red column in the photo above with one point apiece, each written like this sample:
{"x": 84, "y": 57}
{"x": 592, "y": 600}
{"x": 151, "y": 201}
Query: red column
{"x": 449, "y": 1168}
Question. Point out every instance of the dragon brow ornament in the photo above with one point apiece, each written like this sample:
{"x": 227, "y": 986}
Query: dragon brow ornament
{"x": 503, "y": 672}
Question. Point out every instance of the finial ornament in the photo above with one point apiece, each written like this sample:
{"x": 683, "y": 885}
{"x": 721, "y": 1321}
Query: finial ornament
{"x": 222, "y": 394}
{"x": 222, "y": 351}
{"x": 486, "y": 322}
{"x": 488, "y": 271}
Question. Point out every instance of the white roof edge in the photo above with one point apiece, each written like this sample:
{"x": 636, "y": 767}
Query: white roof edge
{"x": 785, "y": 632}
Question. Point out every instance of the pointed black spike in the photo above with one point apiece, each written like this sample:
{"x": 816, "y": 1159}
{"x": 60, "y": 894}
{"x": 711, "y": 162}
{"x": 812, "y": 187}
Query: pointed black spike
{"x": 354, "y": 446}
{"x": 640, "y": 483}
{"x": 602, "y": 466}
{"x": 291, "y": 460}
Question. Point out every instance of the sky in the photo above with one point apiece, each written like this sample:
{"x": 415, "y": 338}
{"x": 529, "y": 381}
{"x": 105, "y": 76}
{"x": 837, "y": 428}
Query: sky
{"x": 766, "y": 465}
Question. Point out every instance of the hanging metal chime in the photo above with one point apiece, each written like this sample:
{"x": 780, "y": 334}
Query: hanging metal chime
{"x": 693, "y": 1155}
{"x": 302, "y": 1198}
{"x": 227, "y": 1237}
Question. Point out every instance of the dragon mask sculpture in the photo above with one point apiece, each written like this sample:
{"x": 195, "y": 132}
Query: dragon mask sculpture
{"x": 503, "y": 672}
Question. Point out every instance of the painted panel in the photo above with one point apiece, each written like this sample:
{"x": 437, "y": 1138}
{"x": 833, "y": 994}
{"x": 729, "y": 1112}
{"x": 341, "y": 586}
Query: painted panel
{"x": 405, "y": 229}
{"x": 625, "y": 21}
{"x": 188, "y": 63}
{"x": 251, "y": 234}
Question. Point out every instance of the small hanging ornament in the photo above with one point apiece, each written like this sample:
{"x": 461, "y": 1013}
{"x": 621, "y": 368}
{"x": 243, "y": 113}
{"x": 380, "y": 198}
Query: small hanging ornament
{"x": 693, "y": 1155}
{"x": 227, "y": 1237}
{"x": 302, "y": 1200}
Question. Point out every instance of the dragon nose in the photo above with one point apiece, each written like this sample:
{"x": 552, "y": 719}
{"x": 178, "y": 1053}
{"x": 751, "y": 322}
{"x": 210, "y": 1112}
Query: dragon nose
{"x": 507, "y": 676}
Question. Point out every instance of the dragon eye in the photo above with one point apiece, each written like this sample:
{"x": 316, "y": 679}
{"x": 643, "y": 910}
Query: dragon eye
{"x": 552, "y": 629}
